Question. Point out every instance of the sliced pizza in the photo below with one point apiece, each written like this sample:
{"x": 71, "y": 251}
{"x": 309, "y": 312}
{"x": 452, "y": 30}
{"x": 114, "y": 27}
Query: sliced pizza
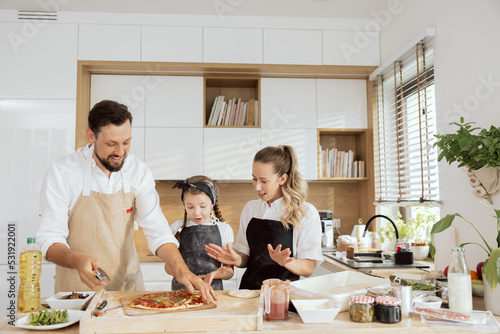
{"x": 168, "y": 300}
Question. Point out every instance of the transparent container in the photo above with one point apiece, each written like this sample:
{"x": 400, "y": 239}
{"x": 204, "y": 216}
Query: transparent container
{"x": 459, "y": 282}
{"x": 388, "y": 309}
{"x": 30, "y": 269}
{"x": 361, "y": 308}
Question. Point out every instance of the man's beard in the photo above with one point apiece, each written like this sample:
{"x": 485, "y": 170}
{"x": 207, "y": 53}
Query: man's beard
{"x": 108, "y": 165}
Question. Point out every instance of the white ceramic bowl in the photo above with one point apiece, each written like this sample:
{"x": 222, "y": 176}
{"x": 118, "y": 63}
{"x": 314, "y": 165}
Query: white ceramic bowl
{"x": 316, "y": 310}
{"x": 55, "y": 302}
{"x": 429, "y": 302}
{"x": 478, "y": 290}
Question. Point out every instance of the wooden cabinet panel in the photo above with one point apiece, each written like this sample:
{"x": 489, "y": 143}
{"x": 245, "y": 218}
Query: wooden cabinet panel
{"x": 288, "y": 103}
{"x": 109, "y": 42}
{"x": 351, "y": 48}
{"x": 174, "y": 153}
{"x": 232, "y": 45}
{"x": 174, "y": 101}
{"x": 176, "y": 44}
{"x": 342, "y": 103}
{"x": 301, "y": 47}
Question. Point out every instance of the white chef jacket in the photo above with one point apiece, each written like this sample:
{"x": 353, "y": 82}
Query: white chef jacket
{"x": 306, "y": 238}
{"x": 63, "y": 186}
{"x": 226, "y": 232}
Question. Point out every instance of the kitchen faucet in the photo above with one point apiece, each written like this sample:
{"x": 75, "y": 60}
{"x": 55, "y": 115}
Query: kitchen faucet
{"x": 381, "y": 216}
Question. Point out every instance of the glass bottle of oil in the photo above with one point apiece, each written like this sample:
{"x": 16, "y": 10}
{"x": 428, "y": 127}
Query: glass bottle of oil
{"x": 30, "y": 269}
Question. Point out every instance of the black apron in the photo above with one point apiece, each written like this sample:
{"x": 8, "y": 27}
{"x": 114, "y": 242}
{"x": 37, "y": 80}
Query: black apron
{"x": 260, "y": 266}
{"x": 192, "y": 248}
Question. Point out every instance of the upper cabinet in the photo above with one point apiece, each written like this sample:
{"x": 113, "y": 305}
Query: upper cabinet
{"x": 109, "y": 42}
{"x": 127, "y": 89}
{"x": 39, "y": 63}
{"x": 174, "y": 101}
{"x": 342, "y": 103}
{"x": 300, "y": 47}
{"x": 288, "y": 103}
{"x": 176, "y": 44}
{"x": 232, "y": 45}
{"x": 361, "y": 48}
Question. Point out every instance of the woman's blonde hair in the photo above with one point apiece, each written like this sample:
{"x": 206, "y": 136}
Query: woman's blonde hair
{"x": 196, "y": 191}
{"x": 284, "y": 161}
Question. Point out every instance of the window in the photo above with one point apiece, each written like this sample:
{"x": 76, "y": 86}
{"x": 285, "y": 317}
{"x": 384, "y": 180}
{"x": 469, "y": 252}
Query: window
{"x": 405, "y": 123}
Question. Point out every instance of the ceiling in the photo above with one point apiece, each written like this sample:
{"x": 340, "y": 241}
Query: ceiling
{"x": 293, "y": 8}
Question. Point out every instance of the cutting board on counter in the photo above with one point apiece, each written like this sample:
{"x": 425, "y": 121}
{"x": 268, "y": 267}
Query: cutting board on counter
{"x": 229, "y": 314}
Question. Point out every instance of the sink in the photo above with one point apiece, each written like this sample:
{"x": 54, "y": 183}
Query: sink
{"x": 371, "y": 261}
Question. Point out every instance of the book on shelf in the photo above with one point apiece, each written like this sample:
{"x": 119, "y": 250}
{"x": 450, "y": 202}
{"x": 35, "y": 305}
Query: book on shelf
{"x": 339, "y": 164}
{"x": 233, "y": 112}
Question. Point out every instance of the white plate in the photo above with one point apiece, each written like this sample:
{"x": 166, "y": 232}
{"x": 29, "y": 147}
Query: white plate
{"x": 73, "y": 316}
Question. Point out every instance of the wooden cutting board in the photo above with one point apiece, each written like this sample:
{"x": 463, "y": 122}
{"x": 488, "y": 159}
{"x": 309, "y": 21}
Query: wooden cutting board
{"x": 133, "y": 311}
{"x": 229, "y": 314}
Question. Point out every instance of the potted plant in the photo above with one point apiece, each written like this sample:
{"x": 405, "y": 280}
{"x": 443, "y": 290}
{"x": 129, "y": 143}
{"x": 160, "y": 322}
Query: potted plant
{"x": 491, "y": 267}
{"x": 417, "y": 230}
{"x": 479, "y": 152}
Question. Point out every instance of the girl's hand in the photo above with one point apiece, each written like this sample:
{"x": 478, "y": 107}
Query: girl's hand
{"x": 208, "y": 278}
{"x": 226, "y": 255}
{"x": 282, "y": 257}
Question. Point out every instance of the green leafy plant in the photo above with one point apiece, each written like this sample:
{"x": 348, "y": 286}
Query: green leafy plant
{"x": 469, "y": 148}
{"x": 417, "y": 228}
{"x": 491, "y": 268}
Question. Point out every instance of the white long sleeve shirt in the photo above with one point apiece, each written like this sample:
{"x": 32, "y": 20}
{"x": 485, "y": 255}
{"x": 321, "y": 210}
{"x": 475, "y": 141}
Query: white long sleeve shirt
{"x": 306, "y": 238}
{"x": 62, "y": 187}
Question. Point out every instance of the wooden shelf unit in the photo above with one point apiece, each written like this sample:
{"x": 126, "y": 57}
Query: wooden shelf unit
{"x": 243, "y": 87}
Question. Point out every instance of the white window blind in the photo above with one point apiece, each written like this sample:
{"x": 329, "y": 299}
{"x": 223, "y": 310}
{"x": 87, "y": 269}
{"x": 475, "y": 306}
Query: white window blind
{"x": 405, "y": 124}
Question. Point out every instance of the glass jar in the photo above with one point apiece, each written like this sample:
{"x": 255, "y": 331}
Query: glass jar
{"x": 388, "y": 309}
{"x": 459, "y": 282}
{"x": 361, "y": 308}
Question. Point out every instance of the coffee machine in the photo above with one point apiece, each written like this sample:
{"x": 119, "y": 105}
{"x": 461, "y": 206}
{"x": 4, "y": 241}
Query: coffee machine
{"x": 326, "y": 218}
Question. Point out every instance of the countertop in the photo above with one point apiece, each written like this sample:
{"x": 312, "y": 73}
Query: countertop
{"x": 341, "y": 324}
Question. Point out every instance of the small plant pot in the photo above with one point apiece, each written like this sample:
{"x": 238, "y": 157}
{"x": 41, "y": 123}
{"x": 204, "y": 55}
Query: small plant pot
{"x": 420, "y": 251}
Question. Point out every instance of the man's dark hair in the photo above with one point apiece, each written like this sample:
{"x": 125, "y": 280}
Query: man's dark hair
{"x": 108, "y": 112}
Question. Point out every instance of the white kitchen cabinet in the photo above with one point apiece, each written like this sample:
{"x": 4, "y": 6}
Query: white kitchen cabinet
{"x": 232, "y": 45}
{"x": 288, "y": 103}
{"x": 228, "y": 152}
{"x": 38, "y": 61}
{"x": 304, "y": 142}
{"x": 109, "y": 42}
{"x": 138, "y": 142}
{"x": 127, "y": 89}
{"x": 174, "y": 153}
{"x": 174, "y": 44}
{"x": 174, "y": 101}
{"x": 300, "y": 47}
{"x": 342, "y": 103}
{"x": 359, "y": 48}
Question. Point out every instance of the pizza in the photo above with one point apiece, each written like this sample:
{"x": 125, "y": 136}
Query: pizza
{"x": 168, "y": 300}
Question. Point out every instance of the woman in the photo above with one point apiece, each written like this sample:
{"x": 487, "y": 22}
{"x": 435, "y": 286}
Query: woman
{"x": 280, "y": 233}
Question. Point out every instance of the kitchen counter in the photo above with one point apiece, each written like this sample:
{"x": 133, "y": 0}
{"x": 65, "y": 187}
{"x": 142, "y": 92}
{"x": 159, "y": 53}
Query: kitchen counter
{"x": 341, "y": 324}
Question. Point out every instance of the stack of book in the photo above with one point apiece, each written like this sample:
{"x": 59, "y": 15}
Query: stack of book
{"x": 234, "y": 112}
{"x": 335, "y": 163}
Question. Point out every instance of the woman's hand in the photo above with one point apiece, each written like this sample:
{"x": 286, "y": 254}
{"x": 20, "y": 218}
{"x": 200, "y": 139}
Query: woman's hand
{"x": 281, "y": 257}
{"x": 226, "y": 255}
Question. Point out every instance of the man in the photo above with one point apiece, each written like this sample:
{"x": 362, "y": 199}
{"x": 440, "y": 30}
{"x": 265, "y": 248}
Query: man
{"x": 88, "y": 203}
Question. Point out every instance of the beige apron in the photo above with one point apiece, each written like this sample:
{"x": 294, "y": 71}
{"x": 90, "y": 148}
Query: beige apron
{"x": 101, "y": 226}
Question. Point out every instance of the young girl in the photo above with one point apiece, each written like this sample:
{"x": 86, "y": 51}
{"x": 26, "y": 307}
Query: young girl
{"x": 280, "y": 234}
{"x": 199, "y": 228}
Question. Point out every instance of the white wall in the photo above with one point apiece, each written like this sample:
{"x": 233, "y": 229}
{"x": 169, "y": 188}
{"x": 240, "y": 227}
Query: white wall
{"x": 467, "y": 54}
